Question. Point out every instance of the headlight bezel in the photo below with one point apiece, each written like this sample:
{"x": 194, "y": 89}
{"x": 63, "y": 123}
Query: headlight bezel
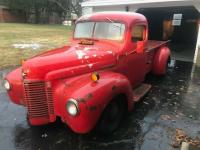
{"x": 7, "y": 85}
{"x": 72, "y": 103}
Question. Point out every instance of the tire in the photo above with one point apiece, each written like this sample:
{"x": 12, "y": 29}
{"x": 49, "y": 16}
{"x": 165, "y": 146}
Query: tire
{"x": 112, "y": 116}
{"x": 167, "y": 65}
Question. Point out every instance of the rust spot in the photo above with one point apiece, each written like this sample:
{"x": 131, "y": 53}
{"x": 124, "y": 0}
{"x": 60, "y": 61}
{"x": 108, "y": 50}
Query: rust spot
{"x": 89, "y": 96}
{"x": 67, "y": 85}
{"x": 81, "y": 100}
{"x": 92, "y": 108}
{"x": 114, "y": 87}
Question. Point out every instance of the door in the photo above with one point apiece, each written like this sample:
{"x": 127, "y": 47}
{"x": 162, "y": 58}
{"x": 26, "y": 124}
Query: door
{"x": 136, "y": 58}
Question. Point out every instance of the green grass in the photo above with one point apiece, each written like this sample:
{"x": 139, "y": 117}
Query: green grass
{"x": 47, "y": 36}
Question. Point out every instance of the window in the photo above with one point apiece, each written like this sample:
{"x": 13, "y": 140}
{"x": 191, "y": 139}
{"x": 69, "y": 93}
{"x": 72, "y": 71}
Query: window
{"x": 100, "y": 30}
{"x": 84, "y": 30}
{"x": 112, "y": 31}
{"x": 138, "y": 33}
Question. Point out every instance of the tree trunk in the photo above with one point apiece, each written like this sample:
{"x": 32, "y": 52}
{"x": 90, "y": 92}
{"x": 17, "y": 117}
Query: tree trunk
{"x": 37, "y": 17}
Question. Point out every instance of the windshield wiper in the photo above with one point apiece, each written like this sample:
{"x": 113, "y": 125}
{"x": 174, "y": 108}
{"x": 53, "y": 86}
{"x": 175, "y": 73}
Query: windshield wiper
{"x": 113, "y": 22}
{"x": 109, "y": 20}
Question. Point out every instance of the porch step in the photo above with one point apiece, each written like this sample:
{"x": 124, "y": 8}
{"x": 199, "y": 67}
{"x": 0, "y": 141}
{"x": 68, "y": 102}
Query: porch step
{"x": 140, "y": 91}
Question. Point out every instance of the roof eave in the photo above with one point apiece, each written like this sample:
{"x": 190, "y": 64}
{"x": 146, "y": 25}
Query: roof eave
{"x": 126, "y": 2}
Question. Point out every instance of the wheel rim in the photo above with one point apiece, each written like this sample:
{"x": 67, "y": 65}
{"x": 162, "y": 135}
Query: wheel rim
{"x": 114, "y": 116}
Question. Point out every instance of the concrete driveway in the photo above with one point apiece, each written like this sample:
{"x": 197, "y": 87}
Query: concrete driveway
{"x": 172, "y": 103}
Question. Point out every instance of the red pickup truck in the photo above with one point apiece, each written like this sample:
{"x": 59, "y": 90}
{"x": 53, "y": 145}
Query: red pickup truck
{"x": 96, "y": 79}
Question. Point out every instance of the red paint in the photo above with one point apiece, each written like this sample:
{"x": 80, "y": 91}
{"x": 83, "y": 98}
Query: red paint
{"x": 52, "y": 78}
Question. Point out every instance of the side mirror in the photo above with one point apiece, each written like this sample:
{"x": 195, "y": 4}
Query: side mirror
{"x": 140, "y": 46}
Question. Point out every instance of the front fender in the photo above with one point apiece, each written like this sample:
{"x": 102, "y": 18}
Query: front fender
{"x": 92, "y": 98}
{"x": 16, "y": 93}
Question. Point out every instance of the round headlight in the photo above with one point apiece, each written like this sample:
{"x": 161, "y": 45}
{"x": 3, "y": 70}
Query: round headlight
{"x": 72, "y": 107}
{"x": 7, "y": 85}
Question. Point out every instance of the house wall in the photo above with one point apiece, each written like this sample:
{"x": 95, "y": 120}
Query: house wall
{"x": 109, "y": 8}
{"x": 197, "y": 53}
{"x": 7, "y": 16}
{"x": 87, "y": 10}
{"x": 90, "y": 10}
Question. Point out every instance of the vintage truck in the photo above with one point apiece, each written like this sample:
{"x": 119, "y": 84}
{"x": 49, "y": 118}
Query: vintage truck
{"x": 96, "y": 79}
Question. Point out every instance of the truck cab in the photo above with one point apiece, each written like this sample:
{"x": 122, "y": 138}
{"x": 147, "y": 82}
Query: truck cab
{"x": 94, "y": 80}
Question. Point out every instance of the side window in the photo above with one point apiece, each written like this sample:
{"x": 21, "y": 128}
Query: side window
{"x": 138, "y": 33}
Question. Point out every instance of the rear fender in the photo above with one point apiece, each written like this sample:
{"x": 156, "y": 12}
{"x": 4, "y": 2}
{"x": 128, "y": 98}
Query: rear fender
{"x": 92, "y": 98}
{"x": 160, "y": 60}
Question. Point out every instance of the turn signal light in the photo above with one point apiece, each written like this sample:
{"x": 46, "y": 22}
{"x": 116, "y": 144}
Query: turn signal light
{"x": 95, "y": 77}
{"x": 22, "y": 61}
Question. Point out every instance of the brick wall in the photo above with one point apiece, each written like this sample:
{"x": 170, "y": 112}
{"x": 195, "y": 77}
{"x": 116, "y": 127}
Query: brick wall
{"x": 1, "y": 15}
{"x": 7, "y": 16}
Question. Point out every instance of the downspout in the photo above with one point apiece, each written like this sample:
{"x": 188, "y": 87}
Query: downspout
{"x": 197, "y": 6}
{"x": 197, "y": 45}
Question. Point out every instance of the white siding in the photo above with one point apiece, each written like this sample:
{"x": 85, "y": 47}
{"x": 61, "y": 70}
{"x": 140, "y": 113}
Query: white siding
{"x": 133, "y": 9}
{"x": 87, "y": 10}
{"x": 197, "y": 47}
{"x": 109, "y": 8}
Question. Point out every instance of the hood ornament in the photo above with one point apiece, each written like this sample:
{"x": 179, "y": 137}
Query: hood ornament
{"x": 24, "y": 75}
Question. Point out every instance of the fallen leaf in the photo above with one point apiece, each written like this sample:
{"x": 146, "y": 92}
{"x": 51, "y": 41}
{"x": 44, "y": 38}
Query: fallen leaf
{"x": 181, "y": 136}
{"x": 146, "y": 103}
{"x": 165, "y": 117}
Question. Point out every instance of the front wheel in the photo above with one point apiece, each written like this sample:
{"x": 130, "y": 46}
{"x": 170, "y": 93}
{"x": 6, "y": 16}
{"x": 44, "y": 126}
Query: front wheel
{"x": 112, "y": 116}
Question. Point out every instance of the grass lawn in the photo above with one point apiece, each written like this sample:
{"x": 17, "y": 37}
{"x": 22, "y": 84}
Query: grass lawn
{"x": 21, "y": 41}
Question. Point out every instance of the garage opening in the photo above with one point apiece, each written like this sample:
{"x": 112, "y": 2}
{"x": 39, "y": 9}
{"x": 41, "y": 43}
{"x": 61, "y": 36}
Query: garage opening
{"x": 178, "y": 24}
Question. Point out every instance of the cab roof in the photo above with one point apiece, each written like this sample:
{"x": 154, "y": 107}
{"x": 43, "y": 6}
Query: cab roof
{"x": 125, "y": 17}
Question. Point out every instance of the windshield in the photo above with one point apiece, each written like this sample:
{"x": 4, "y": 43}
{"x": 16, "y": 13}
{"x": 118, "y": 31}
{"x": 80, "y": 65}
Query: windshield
{"x": 100, "y": 30}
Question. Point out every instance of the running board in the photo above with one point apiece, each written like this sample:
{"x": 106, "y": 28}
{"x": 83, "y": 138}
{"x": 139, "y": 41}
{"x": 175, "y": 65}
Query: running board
{"x": 140, "y": 91}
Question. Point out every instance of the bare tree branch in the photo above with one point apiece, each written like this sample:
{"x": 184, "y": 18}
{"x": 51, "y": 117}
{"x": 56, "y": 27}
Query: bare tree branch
{"x": 60, "y": 5}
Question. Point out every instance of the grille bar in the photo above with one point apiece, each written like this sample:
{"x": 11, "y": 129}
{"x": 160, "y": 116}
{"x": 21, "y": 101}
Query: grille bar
{"x": 50, "y": 101}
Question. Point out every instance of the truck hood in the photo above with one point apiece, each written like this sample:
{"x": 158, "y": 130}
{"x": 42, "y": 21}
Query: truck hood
{"x": 70, "y": 60}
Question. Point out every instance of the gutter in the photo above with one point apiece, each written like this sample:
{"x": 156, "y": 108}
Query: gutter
{"x": 92, "y": 3}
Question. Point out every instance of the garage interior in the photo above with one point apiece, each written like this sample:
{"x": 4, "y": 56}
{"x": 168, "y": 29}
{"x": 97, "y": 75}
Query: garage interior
{"x": 177, "y": 24}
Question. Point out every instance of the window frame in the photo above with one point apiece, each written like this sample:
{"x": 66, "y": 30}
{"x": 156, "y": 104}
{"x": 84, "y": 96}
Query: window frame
{"x": 143, "y": 35}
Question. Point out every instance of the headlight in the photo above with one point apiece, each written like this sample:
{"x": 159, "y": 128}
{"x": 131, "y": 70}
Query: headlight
{"x": 7, "y": 85}
{"x": 72, "y": 107}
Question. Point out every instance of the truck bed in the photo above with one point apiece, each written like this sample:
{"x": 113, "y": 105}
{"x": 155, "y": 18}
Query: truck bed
{"x": 153, "y": 44}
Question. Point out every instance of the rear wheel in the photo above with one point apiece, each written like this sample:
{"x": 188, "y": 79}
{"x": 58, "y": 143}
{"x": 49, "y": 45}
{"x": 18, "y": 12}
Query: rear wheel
{"x": 112, "y": 116}
{"x": 167, "y": 65}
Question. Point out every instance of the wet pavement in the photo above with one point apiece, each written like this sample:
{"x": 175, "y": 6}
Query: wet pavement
{"x": 172, "y": 103}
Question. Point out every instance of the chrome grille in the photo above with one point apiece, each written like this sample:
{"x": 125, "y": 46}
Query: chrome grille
{"x": 38, "y": 99}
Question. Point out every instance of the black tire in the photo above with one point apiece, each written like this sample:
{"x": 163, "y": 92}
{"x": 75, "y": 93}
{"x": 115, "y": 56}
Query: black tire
{"x": 167, "y": 66}
{"x": 112, "y": 116}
